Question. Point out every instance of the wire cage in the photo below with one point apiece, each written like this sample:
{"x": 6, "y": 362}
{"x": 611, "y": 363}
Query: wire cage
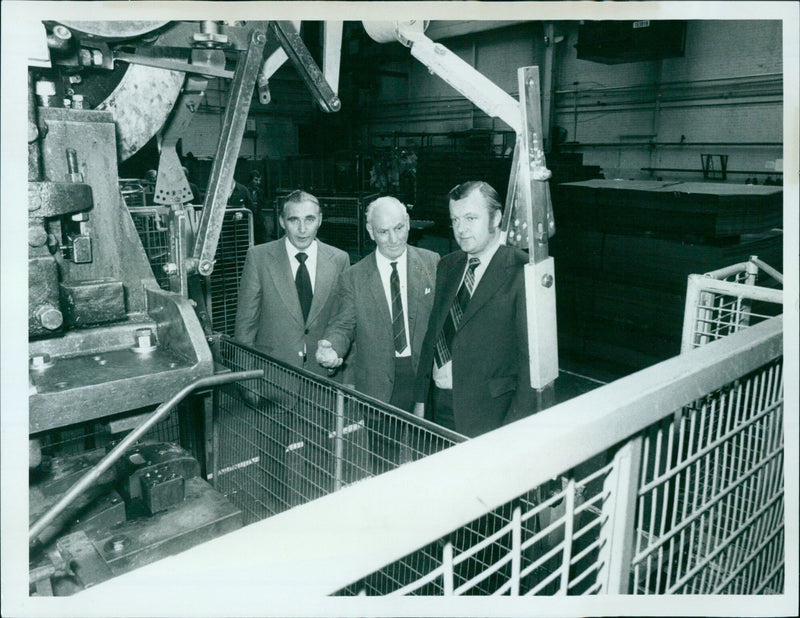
{"x": 291, "y": 437}
{"x": 710, "y": 500}
{"x": 133, "y": 192}
{"x": 222, "y": 286}
{"x": 343, "y": 221}
{"x": 235, "y": 239}
{"x": 152, "y": 224}
{"x": 724, "y": 301}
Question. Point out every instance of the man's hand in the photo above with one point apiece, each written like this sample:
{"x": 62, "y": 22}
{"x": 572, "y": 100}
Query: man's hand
{"x": 419, "y": 410}
{"x": 326, "y": 355}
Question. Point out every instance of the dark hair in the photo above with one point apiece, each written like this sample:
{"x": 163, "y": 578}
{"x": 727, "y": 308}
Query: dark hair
{"x": 465, "y": 189}
{"x": 296, "y": 197}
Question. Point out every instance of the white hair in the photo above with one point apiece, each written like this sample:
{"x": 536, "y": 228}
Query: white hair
{"x": 384, "y": 201}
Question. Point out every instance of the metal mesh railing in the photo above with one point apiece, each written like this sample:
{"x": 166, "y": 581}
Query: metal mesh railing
{"x": 710, "y": 499}
{"x": 720, "y": 303}
{"x": 292, "y": 437}
{"x": 236, "y": 237}
{"x": 152, "y": 224}
{"x": 545, "y": 542}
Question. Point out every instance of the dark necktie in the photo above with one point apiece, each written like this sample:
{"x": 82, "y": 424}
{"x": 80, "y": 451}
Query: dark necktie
{"x": 398, "y": 320}
{"x": 455, "y": 315}
{"x": 302, "y": 282}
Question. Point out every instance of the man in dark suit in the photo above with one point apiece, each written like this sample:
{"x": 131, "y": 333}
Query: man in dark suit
{"x": 287, "y": 287}
{"x": 476, "y": 346}
{"x": 382, "y": 309}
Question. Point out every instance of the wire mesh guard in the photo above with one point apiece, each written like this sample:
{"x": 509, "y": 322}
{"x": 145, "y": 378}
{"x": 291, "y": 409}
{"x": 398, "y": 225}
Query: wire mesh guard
{"x": 548, "y": 541}
{"x": 152, "y": 224}
{"x": 710, "y": 499}
{"x": 722, "y": 302}
{"x": 235, "y": 238}
{"x": 291, "y": 437}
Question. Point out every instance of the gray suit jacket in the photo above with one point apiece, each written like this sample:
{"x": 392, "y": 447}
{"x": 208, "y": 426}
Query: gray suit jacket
{"x": 363, "y": 319}
{"x": 268, "y": 314}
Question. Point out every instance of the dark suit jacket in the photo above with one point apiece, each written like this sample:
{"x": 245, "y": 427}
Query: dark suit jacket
{"x": 363, "y": 318}
{"x": 268, "y": 314}
{"x": 491, "y": 374}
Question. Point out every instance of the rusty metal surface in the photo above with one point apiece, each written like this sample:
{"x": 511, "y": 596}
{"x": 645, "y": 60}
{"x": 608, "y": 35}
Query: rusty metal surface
{"x": 86, "y": 303}
{"x": 42, "y": 289}
{"x": 230, "y": 141}
{"x": 50, "y": 199}
{"x": 113, "y": 30}
{"x": 203, "y": 515}
{"x": 140, "y": 104}
{"x": 117, "y": 252}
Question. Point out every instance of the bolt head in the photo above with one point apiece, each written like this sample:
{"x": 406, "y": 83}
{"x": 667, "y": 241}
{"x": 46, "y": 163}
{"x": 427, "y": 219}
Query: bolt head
{"x": 40, "y": 361}
{"x": 51, "y": 318}
{"x": 37, "y": 236}
{"x": 45, "y": 88}
{"x": 547, "y": 280}
{"x": 62, "y": 32}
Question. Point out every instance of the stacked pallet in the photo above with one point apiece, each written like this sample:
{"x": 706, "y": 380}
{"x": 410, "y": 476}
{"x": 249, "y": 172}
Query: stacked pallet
{"x": 624, "y": 249}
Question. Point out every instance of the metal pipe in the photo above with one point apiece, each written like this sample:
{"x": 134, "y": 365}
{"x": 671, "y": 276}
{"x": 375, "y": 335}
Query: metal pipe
{"x": 696, "y": 171}
{"x": 104, "y": 464}
{"x": 767, "y": 269}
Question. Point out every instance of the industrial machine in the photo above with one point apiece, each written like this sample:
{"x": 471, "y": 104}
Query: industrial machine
{"x": 116, "y": 352}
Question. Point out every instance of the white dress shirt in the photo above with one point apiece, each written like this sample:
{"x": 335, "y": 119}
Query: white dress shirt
{"x": 385, "y": 271}
{"x": 443, "y": 376}
{"x": 311, "y": 260}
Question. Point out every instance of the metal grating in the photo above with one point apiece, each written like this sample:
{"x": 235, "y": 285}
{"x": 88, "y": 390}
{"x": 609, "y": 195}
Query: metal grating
{"x": 133, "y": 192}
{"x": 545, "y": 542}
{"x": 292, "y": 437}
{"x": 236, "y": 237}
{"x": 722, "y": 302}
{"x": 152, "y": 224}
{"x": 710, "y": 499}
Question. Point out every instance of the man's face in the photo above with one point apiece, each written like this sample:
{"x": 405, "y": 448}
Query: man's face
{"x": 389, "y": 229}
{"x": 301, "y": 220}
{"x": 474, "y": 227}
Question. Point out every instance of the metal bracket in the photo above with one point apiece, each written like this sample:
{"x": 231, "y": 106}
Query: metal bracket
{"x": 230, "y": 141}
{"x": 313, "y": 78}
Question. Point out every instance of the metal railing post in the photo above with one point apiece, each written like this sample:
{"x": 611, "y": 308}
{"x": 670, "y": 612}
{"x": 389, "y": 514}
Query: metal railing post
{"x": 619, "y": 515}
{"x": 339, "y": 445}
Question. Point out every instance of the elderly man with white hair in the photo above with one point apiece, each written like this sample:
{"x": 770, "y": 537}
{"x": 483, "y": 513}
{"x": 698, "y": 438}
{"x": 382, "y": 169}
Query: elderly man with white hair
{"x": 382, "y": 309}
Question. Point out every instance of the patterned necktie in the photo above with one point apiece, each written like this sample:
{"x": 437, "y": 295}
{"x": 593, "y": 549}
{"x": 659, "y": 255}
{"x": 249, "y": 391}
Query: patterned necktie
{"x": 398, "y": 320}
{"x": 302, "y": 282}
{"x": 455, "y": 315}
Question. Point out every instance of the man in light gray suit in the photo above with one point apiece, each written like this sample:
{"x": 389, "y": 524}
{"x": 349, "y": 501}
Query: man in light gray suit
{"x": 382, "y": 310}
{"x": 287, "y": 287}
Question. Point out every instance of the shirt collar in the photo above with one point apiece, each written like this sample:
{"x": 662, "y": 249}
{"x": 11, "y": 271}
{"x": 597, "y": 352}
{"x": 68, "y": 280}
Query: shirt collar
{"x": 292, "y": 251}
{"x": 386, "y": 263}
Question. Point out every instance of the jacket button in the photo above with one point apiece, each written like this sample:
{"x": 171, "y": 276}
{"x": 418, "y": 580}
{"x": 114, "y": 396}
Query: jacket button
{"x": 306, "y": 331}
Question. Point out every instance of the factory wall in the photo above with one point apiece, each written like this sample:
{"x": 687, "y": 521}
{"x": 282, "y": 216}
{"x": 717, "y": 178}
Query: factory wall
{"x": 724, "y": 96}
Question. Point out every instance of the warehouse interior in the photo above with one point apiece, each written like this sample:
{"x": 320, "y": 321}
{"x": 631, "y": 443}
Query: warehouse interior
{"x": 664, "y": 141}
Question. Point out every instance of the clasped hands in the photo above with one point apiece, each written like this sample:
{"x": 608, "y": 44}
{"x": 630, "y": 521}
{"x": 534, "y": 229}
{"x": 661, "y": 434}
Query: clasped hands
{"x": 327, "y": 356}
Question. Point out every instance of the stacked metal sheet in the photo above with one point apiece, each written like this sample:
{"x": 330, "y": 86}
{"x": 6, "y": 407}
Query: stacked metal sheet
{"x": 625, "y": 248}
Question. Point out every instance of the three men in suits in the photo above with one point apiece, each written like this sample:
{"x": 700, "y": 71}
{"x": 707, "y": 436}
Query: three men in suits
{"x": 287, "y": 287}
{"x": 476, "y": 345}
{"x": 382, "y": 309}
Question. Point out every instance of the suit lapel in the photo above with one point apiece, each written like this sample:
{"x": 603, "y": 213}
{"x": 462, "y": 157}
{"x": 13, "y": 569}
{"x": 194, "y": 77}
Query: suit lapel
{"x": 323, "y": 282}
{"x": 496, "y": 274}
{"x": 281, "y": 273}
{"x": 414, "y": 271}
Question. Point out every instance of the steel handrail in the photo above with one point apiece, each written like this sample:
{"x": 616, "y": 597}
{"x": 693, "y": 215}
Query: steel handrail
{"x": 114, "y": 454}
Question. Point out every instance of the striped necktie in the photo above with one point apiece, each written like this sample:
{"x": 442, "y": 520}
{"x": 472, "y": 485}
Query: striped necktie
{"x": 398, "y": 319}
{"x": 455, "y": 315}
